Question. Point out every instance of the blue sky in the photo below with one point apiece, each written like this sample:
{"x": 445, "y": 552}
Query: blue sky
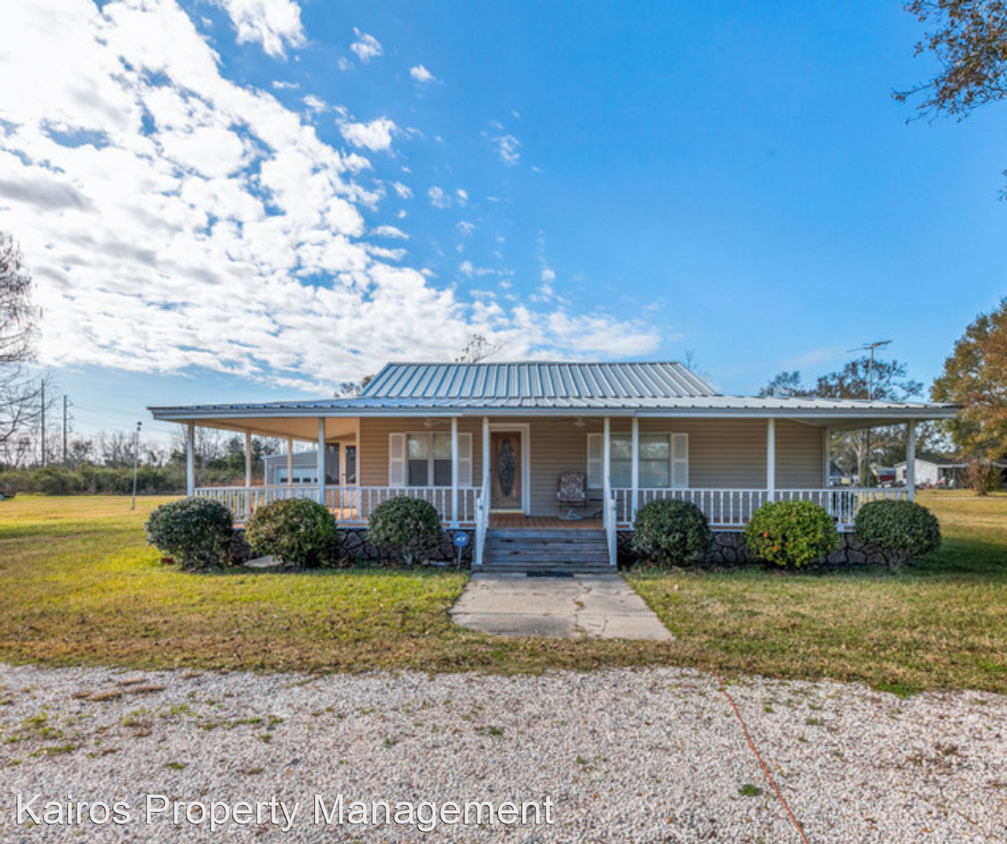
{"x": 257, "y": 199}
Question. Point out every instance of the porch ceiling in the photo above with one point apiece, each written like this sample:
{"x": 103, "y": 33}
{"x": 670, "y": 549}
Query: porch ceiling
{"x": 296, "y": 427}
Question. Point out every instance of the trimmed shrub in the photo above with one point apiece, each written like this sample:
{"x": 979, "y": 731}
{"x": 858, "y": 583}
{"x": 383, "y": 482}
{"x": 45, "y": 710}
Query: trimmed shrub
{"x": 791, "y": 533}
{"x": 408, "y": 526}
{"x": 195, "y": 531}
{"x": 671, "y": 531}
{"x": 903, "y": 530}
{"x": 298, "y": 531}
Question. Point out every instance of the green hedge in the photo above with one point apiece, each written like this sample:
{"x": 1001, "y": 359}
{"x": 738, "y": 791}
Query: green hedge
{"x": 410, "y": 527}
{"x": 903, "y": 530}
{"x": 791, "y": 533}
{"x": 195, "y": 531}
{"x": 298, "y": 531}
{"x": 670, "y": 531}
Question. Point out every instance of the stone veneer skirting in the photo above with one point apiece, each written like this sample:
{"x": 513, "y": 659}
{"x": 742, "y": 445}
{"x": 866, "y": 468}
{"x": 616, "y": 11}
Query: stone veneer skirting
{"x": 353, "y": 545}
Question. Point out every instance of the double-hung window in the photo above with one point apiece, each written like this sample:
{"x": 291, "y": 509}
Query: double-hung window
{"x": 663, "y": 461}
{"x": 429, "y": 459}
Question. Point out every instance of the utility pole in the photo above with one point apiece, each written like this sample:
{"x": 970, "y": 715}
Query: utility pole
{"x": 870, "y": 397}
{"x": 64, "y": 430}
{"x": 43, "y": 424}
{"x": 136, "y": 458}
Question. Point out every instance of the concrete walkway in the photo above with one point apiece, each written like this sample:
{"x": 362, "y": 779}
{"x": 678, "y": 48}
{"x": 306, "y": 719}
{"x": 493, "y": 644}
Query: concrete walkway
{"x": 602, "y": 606}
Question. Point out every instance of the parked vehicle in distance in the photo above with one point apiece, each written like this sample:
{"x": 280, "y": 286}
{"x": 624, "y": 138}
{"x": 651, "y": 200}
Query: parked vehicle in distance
{"x": 6, "y": 493}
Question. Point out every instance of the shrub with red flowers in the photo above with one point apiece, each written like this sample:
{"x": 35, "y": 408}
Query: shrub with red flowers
{"x": 791, "y": 534}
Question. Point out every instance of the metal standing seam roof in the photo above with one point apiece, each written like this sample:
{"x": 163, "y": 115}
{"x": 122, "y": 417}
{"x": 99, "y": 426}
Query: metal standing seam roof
{"x": 533, "y": 380}
{"x": 572, "y": 388}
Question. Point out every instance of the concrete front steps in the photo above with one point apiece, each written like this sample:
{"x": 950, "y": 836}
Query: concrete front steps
{"x": 552, "y": 550}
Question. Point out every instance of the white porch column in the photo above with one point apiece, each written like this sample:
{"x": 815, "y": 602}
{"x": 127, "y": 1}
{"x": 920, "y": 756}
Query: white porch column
{"x": 486, "y": 454}
{"x": 321, "y": 460}
{"x": 248, "y": 459}
{"x": 826, "y": 456}
{"x": 635, "y": 505}
{"x": 190, "y": 459}
{"x": 606, "y": 463}
{"x": 911, "y": 460}
{"x": 771, "y": 459}
{"x": 454, "y": 471}
{"x": 342, "y": 464}
{"x": 290, "y": 461}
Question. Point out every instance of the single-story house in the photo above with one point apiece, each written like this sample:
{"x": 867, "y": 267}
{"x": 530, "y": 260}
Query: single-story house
{"x": 303, "y": 467}
{"x": 489, "y": 444}
{"x": 938, "y": 471}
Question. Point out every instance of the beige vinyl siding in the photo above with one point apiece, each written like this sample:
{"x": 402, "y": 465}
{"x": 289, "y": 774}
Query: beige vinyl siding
{"x": 723, "y": 453}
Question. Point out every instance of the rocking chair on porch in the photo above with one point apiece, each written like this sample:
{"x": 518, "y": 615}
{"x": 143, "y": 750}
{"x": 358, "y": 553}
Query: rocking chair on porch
{"x": 572, "y": 493}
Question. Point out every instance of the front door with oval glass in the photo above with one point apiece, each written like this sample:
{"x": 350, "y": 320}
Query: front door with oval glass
{"x": 506, "y": 490}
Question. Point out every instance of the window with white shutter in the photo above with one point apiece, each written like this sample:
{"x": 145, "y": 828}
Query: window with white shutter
{"x": 595, "y": 461}
{"x": 396, "y": 460}
{"x": 465, "y": 460}
{"x": 680, "y": 460}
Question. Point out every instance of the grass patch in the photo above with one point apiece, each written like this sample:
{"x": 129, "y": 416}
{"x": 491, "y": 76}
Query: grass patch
{"x": 90, "y": 591}
{"x": 939, "y": 624}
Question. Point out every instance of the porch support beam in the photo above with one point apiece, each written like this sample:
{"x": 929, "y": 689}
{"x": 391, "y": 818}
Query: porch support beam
{"x": 290, "y": 461}
{"x": 911, "y": 460}
{"x": 635, "y": 505}
{"x": 826, "y": 456}
{"x": 190, "y": 459}
{"x": 342, "y": 465}
{"x": 454, "y": 471}
{"x": 321, "y": 460}
{"x": 771, "y": 459}
{"x": 606, "y": 460}
{"x": 486, "y": 455}
{"x": 248, "y": 459}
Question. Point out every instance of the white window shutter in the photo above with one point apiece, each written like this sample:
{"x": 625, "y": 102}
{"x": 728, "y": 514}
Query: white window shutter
{"x": 595, "y": 461}
{"x": 464, "y": 460}
{"x": 680, "y": 460}
{"x": 396, "y": 460}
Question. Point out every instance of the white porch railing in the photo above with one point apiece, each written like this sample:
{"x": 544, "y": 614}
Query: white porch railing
{"x": 242, "y": 501}
{"x": 350, "y": 505}
{"x": 611, "y": 526}
{"x": 732, "y": 508}
{"x": 482, "y": 523}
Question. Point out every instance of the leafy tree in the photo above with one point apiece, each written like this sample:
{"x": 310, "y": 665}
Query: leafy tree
{"x": 975, "y": 376}
{"x": 785, "y": 385}
{"x": 20, "y": 394}
{"x": 969, "y": 41}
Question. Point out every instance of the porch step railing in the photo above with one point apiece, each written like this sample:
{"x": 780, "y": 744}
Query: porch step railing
{"x": 732, "y": 508}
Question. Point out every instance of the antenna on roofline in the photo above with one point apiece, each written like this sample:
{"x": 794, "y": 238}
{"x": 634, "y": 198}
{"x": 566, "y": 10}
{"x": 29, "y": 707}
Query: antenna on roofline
{"x": 870, "y": 394}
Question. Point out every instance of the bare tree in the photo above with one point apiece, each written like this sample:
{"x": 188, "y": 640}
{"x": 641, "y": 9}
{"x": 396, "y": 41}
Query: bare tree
{"x": 20, "y": 393}
{"x": 477, "y": 348}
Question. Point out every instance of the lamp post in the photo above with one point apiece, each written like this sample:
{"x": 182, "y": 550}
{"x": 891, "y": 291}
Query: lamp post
{"x": 870, "y": 397}
{"x": 136, "y": 459}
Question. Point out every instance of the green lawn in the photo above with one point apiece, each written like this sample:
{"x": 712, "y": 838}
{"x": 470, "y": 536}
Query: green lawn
{"x": 939, "y": 624}
{"x": 81, "y": 586}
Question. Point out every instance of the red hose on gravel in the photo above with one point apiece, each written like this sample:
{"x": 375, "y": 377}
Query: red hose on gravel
{"x": 755, "y": 750}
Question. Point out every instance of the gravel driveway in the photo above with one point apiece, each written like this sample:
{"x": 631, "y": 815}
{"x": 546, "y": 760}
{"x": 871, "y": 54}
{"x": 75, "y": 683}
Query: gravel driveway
{"x": 627, "y": 755}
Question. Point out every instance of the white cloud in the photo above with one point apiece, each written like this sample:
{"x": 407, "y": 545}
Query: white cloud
{"x": 285, "y": 86}
{"x": 316, "y": 104}
{"x": 421, "y": 74}
{"x": 404, "y": 191}
{"x": 548, "y": 275}
{"x": 508, "y": 149}
{"x": 366, "y": 47}
{"x": 390, "y": 231}
{"x": 438, "y": 198}
{"x": 272, "y": 23}
{"x": 466, "y": 228}
{"x": 375, "y": 136}
{"x": 177, "y": 221}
